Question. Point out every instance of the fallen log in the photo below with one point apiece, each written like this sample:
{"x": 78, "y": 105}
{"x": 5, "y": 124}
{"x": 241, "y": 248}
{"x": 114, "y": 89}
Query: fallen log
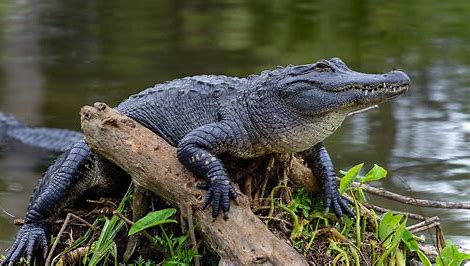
{"x": 152, "y": 164}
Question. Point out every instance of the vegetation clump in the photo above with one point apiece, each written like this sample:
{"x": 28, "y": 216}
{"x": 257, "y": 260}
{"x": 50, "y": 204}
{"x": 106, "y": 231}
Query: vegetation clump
{"x": 105, "y": 232}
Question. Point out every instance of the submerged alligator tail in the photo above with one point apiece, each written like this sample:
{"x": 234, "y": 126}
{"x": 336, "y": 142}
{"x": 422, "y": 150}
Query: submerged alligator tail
{"x": 46, "y": 138}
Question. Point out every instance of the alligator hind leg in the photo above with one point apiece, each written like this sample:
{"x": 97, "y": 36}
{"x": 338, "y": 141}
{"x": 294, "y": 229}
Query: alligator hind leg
{"x": 61, "y": 184}
{"x": 319, "y": 161}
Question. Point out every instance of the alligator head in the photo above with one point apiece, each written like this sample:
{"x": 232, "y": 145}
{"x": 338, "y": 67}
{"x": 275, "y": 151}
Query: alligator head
{"x": 311, "y": 101}
{"x": 329, "y": 85}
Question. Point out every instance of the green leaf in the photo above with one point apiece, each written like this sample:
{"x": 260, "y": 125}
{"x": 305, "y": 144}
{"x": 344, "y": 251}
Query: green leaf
{"x": 301, "y": 202}
{"x": 181, "y": 240}
{"x": 305, "y": 212}
{"x": 153, "y": 219}
{"x": 424, "y": 259}
{"x": 409, "y": 240}
{"x": 384, "y": 225}
{"x": 386, "y": 253}
{"x": 400, "y": 258}
{"x": 105, "y": 244}
{"x": 398, "y": 235}
{"x": 387, "y": 226}
{"x": 450, "y": 255}
{"x": 361, "y": 196}
{"x": 349, "y": 177}
{"x": 376, "y": 173}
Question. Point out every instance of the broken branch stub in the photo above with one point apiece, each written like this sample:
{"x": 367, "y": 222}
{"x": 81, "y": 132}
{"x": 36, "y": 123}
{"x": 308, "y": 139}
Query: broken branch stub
{"x": 152, "y": 164}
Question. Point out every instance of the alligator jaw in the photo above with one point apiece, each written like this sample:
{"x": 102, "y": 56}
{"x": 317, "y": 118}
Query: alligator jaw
{"x": 397, "y": 88}
{"x": 374, "y": 94}
{"x": 362, "y": 95}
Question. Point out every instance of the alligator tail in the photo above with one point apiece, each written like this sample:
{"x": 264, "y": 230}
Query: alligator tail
{"x": 46, "y": 138}
{"x": 7, "y": 124}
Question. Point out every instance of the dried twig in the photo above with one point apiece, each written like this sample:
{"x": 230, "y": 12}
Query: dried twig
{"x": 7, "y": 213}
{"x": 103, "y": 201}
{"x": 192, "y": 234}
{"x": 411, "y": 201}
{"x": 424, "y": 228}
{"x": 363, "y": 110}
{"x": 416, "y": 227}
{"x": 440, "y": 240}
{"x": 62, "y": 229}
{"x": 384, "y": 210}
{"x": 275, "y": 219}
{"x": 267, "y": 175}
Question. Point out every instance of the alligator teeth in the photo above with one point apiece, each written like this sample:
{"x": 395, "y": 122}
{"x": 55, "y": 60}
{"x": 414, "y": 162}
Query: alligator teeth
{"x": 365, "y": 92}
{"x": 394, "y": 89}
{"x": 385, "y": 85}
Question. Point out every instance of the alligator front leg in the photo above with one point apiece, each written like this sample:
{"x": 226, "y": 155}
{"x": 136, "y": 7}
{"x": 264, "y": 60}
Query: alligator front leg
{"x": 319, "y": 161}
{"x": 52, "y": 194}
{"x": 198, "y": 151}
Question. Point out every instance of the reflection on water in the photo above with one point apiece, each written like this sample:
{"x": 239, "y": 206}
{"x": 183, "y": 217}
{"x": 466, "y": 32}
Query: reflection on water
{"x": 60, "y": 55}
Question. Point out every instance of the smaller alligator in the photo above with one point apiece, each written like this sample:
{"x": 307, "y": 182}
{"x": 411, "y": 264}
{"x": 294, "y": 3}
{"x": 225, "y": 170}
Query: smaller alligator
{"x": 289, "y": 109}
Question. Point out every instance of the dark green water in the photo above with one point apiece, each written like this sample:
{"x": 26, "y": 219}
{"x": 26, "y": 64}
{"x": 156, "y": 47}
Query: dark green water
{"x": 58, "y": 56}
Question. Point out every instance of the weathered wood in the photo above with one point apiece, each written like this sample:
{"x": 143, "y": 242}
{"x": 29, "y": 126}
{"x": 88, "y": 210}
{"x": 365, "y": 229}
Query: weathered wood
{"x": 303, "y": 176}
{"x": 152, "y": 164}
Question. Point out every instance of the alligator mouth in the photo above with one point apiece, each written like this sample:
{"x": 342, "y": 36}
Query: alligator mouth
{"x": 376, "y": 88}
{"x": 364, "y": 96}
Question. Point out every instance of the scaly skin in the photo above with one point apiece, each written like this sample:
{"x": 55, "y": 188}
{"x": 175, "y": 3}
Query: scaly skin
{"x": 291, "y": 109}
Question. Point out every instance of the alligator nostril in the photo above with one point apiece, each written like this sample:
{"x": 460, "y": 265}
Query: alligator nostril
{"x": 400, "y": 75}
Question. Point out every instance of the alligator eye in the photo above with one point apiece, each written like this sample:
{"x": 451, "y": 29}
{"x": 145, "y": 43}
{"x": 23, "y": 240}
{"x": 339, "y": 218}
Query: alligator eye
{"x": 323, "y": 67}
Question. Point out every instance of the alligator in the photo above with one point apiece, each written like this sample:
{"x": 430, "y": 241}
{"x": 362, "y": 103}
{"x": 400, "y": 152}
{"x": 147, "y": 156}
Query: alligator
{"x": 289, "y": 109}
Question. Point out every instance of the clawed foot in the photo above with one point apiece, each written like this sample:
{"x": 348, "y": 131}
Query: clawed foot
{"x": 219, "y": 192}
{"x": 335, "y": 202}
{"x": 31, "y": 238}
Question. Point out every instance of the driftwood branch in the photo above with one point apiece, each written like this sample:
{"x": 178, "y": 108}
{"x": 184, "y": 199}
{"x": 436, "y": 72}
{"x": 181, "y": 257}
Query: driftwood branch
{"x": 384, "y": 210}
{"x": 412, "y": 201}
{"x": 242, "y": 239}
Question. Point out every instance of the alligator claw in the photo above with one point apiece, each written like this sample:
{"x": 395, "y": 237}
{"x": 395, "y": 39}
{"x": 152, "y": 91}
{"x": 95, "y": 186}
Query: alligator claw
{"x": 208, "y": 199}
{"x": 203, "y": 185}
{"x": 30, "y": 237}
{"x": 220, "y": 191}
{"x": 345, "y": 207}
{"x": 336, "y": 203}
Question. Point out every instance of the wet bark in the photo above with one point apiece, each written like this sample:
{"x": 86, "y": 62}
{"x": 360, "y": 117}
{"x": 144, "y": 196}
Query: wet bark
{"x": 152, "y": 164}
